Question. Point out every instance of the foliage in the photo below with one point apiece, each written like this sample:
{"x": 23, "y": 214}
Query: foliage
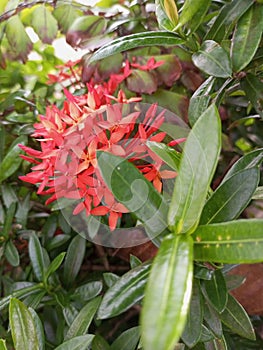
{"x": 201, "y": 60}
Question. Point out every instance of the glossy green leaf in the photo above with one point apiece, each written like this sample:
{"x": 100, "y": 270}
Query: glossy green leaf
{"x": 168, "y": 294}
{"x": 128, "y": 340}
{"x": 206, "y": 335}
{"x": 246, "y": 38}
{"x": 213, "y": 60}
{"x": 225, "y": 21}
{"x": 236, "y": 318}
{"x": 193, "y": 13}
{"x": 230, "y": 198}
{"x": 57, "y": 241}
{"x": 3, "y": 344}
{"x": 55, "y": 264}
{"x": 12, "y": 161}
{"x": 81, "y": 323}
{"x": 22, "y": 326}
{"x": 77, "y": 343}
{"x": 136, "y": 40}
{"x": 99, "y": 343}
{"x": 88, "y": 291}
{"x": 134, "y": 261}
{"x": 168, "y": 154}
{"x": 249, "y": 160}
{"x": 39, "y": 329}
{"x": 200, "y": 100}
{"x": 166, "y": 14}
{"x": 17, "y": 37}
{"x": 215, "y": 291}
{"x": 193, "y": 328}
{"x": 36, "y": 255}
{"x": 212, "y": 319}
{"x": 131, "y": 188}
{"x": 216, "y": 344}
{"x": 11, "y": 253}
{"x": 66, "y": 14}
{"x": 126, "y": 292}
{"x": 73, "y": 260}
{"x": 8, "y": 195}
{"x": 44, "y": 24}
{"x": 197, "y": 166}
{"x": 8, "y": 220}
{"x": 233, "y": 242}
{"x": 253, "y": 87}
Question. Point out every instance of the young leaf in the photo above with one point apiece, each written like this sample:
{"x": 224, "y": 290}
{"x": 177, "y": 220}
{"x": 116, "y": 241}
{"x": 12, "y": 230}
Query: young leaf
{"x": 127, "y": 291}
{"x": 36, "y": 255}
{"x": 168, "y": 294}
{"x": 236, "y": 318}
{"x": 81, "y": 323}
{"x": 230, "y": 198}
{"x": 215, "y": 291}
{"x": 11, "y": 253}
{"x": 74, "y": 257}
{"x": 197, "y": 166}
{"x": 233, "y": 242}
{"x": 136, "y": 40}
{"x": 55, "y": 264}
{"x": 77, "y": 343}
{"x": 128, "y": 340}
{"x": 213, "y": 60}
{"x": 3, "y": 344}
{"x": 168, "y": 154}
{"x": 22, "y": 326}
{"x": 44, "y": 24}
{"x": 131, "y": 188}
{"x": 110, "y": 278}
{"x": 247, "y": 37}
{"x": 166, "y": 13}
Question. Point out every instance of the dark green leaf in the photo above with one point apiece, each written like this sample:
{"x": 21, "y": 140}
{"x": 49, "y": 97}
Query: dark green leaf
{"x": 206, "y": 335}
{"x": 136, "y": 40}
{"x": 193, "y": 328}
{"x": 8, "y": 220}
{"x": 197, "y": 166}
{"x": 131, "y": 188}
{"x": 168, "y": 293}
{"x": 234, "y": 242}
{"x": 77, "y": 343}
{"x": 200, "y": 100}
{"x": 213, "y": 60}
{"x": 11, "y": 253}
{"x": 247, "y": 37}
{"x": 110, "y": 278}
{"x": 8, "y": 195}
{"x": 231, "y": 198}
{"x": 99, "y": 343}
{"x": 57, "y": 241}
{"x": 216, "y": 344}
{"x": 44, "y": 24}
{"x": 22, "y": 326}
{"x": 126, "y": 292}
{"x": 128, "y": 340}
{"x": 81, "y": 323}
{"x": 88, "y": 291}
{"x": 74, "y": 257}
{"x": 236, "y": 318}
{"x": 12, "y": 161}
{"x": 253, "y": 87}
{"x": 39, "y": 329}
{"x": 55, "y": 264}
{"x": 215, "y": 291}
{"x": 212, "y": 320}
{"x": 227, "y": 18}
{"x": 166, "y": 13}
{"x": 168, "y": 154}
{"x": 36, "y": 255}
{"x": 134, "y": 261}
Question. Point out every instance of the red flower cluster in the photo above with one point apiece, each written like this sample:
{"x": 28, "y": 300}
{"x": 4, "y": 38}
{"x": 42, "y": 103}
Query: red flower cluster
{"x": 66, "y": 165}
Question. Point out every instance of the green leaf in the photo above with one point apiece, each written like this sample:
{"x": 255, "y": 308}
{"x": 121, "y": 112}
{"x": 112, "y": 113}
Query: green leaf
{"x": 168, "y": 294}
{"x": 17, "y": 38}
{"x": 258, "y": 194}
{"x": 131, "y": 188}
{"x": 246, "y": 38}
{"x": 110, "y": 278}
{"x": 88, "y": 291}
{"x": 236, "y": 318}
{"x": 81, "y": 323}
{"x": 227, "y": 18}
{"x": 3, "y": 344}
{"x": 166, "y": 13}
{"x": 57, "y": 241}
{"x": 193, "y": 13}
{"x": 126, "y": 292}
{"x": 74, "y": 257}
{"x": 212, "y": 320}
{"x": 200, "y": 100}
{"x": 216, "y": 344}
{"x": 193, "y": 328}
{"x": 168, "y": 154}
{"x": 44, "y": 24}
{"x": 233, "y": 242}
{"x": 22, "y": 326}
{"x": 55, "y": 264}
{"x": 36, "y": 255}
{"x": 8, "y": 220}
{"x": 77, "y": 343}
{"x": 39, "y": 329}
{"x": 136, "y": 40}
{"x": 66, "y": 14}
{"x": 213, "y": 60}
{"x": 215, "y": 291}
{"x": 12, "y": 161}
{"x": 249, "y": 160}
{"x": 11, "y": 253}
{"x": 134, "y": 261}
{"x": 253, "y": 87}
{"x": 198, "y": 163}
{"x": 99, "y": 343}
{"x": 128, "y": 340}
{"x": 231, "y": 198}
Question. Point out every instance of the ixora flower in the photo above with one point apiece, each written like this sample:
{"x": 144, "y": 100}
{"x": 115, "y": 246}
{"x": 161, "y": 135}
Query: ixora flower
{"x": 66, "y": 164}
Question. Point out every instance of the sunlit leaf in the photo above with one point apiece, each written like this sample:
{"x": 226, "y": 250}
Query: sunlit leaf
{"x": 44, "y": 24}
